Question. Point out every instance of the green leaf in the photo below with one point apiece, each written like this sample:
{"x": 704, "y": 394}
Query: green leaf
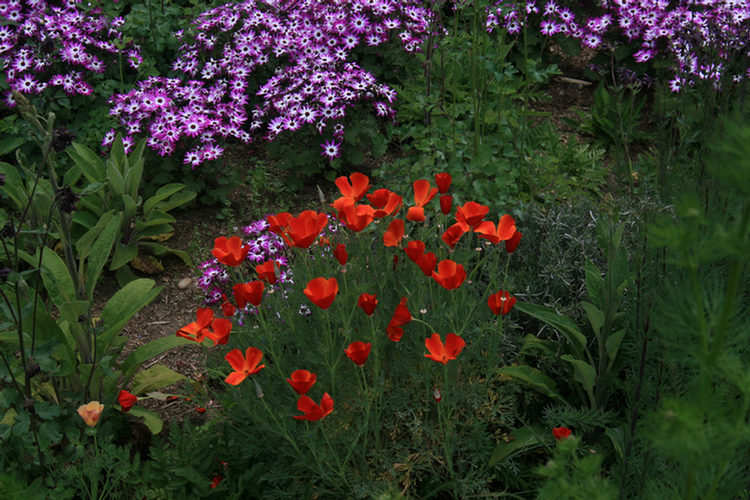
{"x": 83, "y": 245}
{"x": 616, "y": 435}
{"x": 162, "y": 194}
{"x": 613, "y": 346}
{"x": 595, "y": 285}
{"x": 148, "y": 351}
{"x": 132, "y": 178}
{"x": 584, "y": 374}
{"x": 10, "y": 144}
{"x": 532, "y": 343}
{"x": 177, "y": 200}
{"x": 56, "y": 278}
{"x": 92, "y": 167}
{"x": 151, "y": 419}
{"x": 522, "y": 438}
{"x": 596, "y": 317}
{"x": 116, "y": 181}
{"x": 535, "y": 379}
{"x": 122, "y": 306}
{"x": 154, "y": 378}
{"x": 564, "y": 325}
{"x": 123, "y": 255}
{"x": 161, "y": 250}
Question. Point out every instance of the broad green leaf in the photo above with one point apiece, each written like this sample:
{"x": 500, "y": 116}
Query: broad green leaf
{"x": 523, "y": 437}
{"x": 123, "y": 255}
{"x": 10, "y": 144}
{"x": 132, "y": 178}
{"x": 534, "y": 378}
{"x": 595, "y": 285}
{"x": 57, "y": 279}
{"x": 122, "y": 306}
{"x": 617, "y": 436}
{"x": 151, "y": 419}
{"x": 564, "y": 325}
{"x": 91, "y": 204}
{"x": 532, "y": 343}
{"x": 101, "y": 249}
{"x": 148, "y": 351}
{"x": 177, "y": 200}
{"x": 73, "y": 310}
{"x": 154, "y": 378}
{"x": 584, "y": 374}
{"x": 92, "y": 188}
{"x": 613, "y": 346}
{"x": 162, "y": 194}
{"x": 116, "y": 182}
{"x": 117, "y": 158}
{"x": 84, "y": 242}
{"x": 161, "y": 250}
{"x": 86, "y": 219}
{"x": 596, "y": 317}
{"x": 89, "y": 162}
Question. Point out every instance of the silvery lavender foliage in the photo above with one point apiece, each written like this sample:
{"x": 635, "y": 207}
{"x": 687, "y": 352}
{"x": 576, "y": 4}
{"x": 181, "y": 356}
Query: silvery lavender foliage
{"x": 307, "y": 47}
{"x": 706, "y": 38}
{"x": 43, "y": 45}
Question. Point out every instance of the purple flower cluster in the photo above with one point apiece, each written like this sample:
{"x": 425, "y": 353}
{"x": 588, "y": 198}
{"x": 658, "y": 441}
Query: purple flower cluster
{"x": 43, "y": 45}
{"x": 264, "y": 246}
{"x": 306, "y": 46}
{"x": 704, "y": 37}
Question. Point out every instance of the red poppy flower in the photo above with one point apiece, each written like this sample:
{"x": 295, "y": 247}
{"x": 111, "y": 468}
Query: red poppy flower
{"x": 312, "y": 411}
{"x": 414, "y": 250}
{"x": 340, "y": 254}
{"x": 561, "y": 433}
{"x": 277, "y": 223}
{"x": 401, "y": 316}
{"x": 227, "y": 308}
{"x": 322, "y": 292}
{"x": 444, "y": 353}
{"x": 126, "y": 400}
{"x": 244, "y": 366}
{"x": 501, "y": 302}
{"x": 423, "y": 194}
{"x": 443, "y": 182}
{"x": 416, "y": 214}
{"x": 268, "y": 271}
{"x": 454, "y": 233}
{"x": 358, "y": 352}
{"x": 301, "y": 381}
{"x": 427, "y": 263}
{"x": 222, "y": 327}
{"x": 215, "y": 482}
{"x": 392, "y": 237}
{"x": 196, "y": 330}
{"x": 200, "y": 409}
{"x": 230, "y": 251}
{"x": 449, "y": 275}
{"x": 356, "y": 217}
{"x": 471, "y": 213}
{"x": 367, "y": 303}
{"x": 355, "y": 189}
{"x": 303, "y": 230}
{"x": 446, "y": 203}
{"x": 506, "y": 228}
{"x": 512, "y": 243}
{"x": 245, "y": 293}
{"x": 385, "y": 202}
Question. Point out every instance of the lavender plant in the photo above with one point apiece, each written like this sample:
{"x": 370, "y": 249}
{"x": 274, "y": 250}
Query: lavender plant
{"x": 303, "y": 52}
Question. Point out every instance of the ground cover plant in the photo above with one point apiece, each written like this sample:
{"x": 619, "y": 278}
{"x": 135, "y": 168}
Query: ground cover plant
{"x": 505, "y": 307}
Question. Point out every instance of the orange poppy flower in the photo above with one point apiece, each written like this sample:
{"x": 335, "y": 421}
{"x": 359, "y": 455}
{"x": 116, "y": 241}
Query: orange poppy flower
{"x": 230, "y": 251}
{"x": 385, "y": 202}
{"x": 401, "y": 316}
{"x": 512, "y": 243}
{"x": 471, "y": 213}
{"x": 245, "y": 293}
{"x": 449, "y": 275}
{"x": 506, "y": 228}
{"x": 423, "y": 194}
{"x": 322, "y": 292}
{"x": 355, "y": 189}
{"x": 414, "y": 250}
{"x": 356, "y": 217}
{"x": 312, "y": 411}
{"x": 367, "y": 303}
{"x": 278, "y": 224}
{"x": 454, "y": 233}
{"x": 446, "y": 203}
{"x": 501, "y": 302}
{"x": 339, "y": 253}
{"x": 392, "y": 237}
{"x": 415, "y": 214}
{"x": 197, "y": 329}
{"x": 91, "y": 412}
{"x": 244, "y": 366}
{"x": 222, "y": 327}
{"x": 227, "y": 308}
{"x": 268, "y": 271}
{"x": 444, "y": 353}
{"x": 126, "y": 400}
{"x": 443, "y": 182}
{"x": 427, "y": 263}
{"x": 301, "y": 381}
{"x": 358, "y": 352}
